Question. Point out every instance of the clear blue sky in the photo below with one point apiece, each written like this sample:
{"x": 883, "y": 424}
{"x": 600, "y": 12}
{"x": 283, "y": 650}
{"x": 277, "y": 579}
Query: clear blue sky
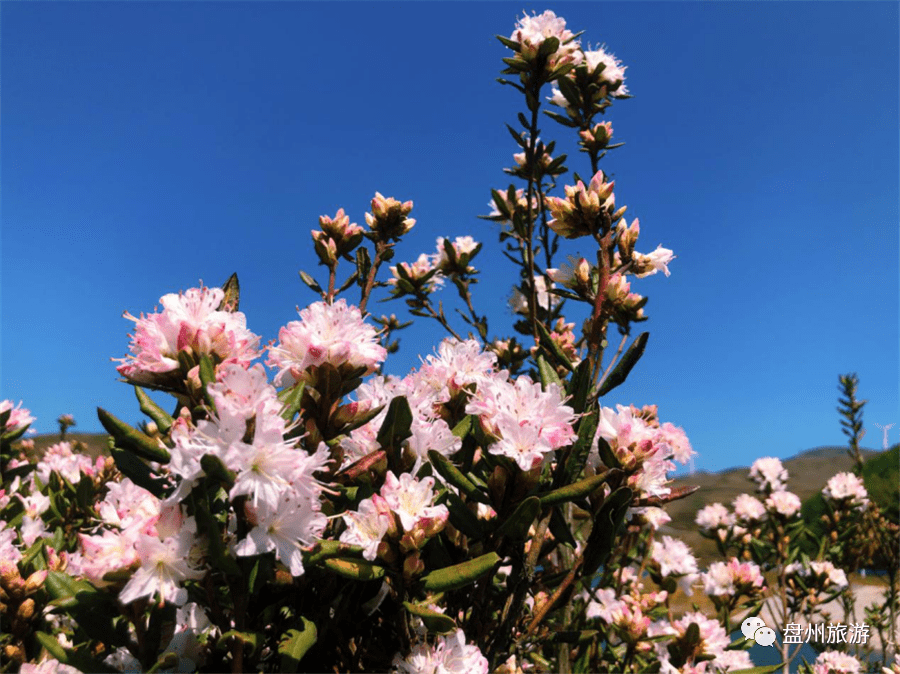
{"x": 146, "y": 146}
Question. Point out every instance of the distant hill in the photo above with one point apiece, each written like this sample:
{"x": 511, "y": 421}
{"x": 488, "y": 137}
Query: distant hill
{"x": 808, "y": 472}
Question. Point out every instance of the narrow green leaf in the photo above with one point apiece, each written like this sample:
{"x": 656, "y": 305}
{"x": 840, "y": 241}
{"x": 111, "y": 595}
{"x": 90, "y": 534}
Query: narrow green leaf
{"x": 573, "y": 491}
{"x": 629, "y": 359}
{"x": 132, "y": 439}
{"x": 462, "y": 429}
{"x": 311, "y": 282}
{"x": 292, "y": 399}
{"x": 160, "y": 417}
{"x": 560, "y": 528}
{"x": 294, "y": 644}
{"x": 460, "y": 575}
{"x": 51, "y": 643}
{"x": 606, "y": 527}
{"x": 462, "y": 518}
{"x": 355, "y": 569}
{"x": 252, "y": 639}
{"x": 212, "y": 465}
{"x": 553, "y": 348}
{"x": 138, "y": 472}
{"x": 454, "y": 476}
{"x": 580, "y": 386}
{"x": 434, "y": 621}
{"x": 395, "y": 430}
{"x": 517, "y": 524}
{"x": 328, "y": 549}
{"x": 548, "y": 374}
{"x": 587, "y": 431}
{"x": 768, "y": 669}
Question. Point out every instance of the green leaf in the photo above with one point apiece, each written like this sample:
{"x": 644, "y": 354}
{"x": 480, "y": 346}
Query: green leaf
{"x": 549, "y": 46}
{"x": 161, "y": 418}
{"x": 580, "y": 386}
{"x": 434, "y": 621}
{"x": 132, "y": 439}
{"x": 560, "y": 528}
{"x": 232, "y": 298}
{"x": 208, "y": 526}
{"x": 587, "y": 430}
{"x": 623, "y": 367}
{"x": 553, "y": 348}
{"x": 573, "y": 491}
{"x": 516, "y": 525}
{"x": 251, "y": 639}
{"x": 207, "y": 377}
{"x": 606, "y": 528}
{"x": 294, "y": 644}
{"x": 212, "y": 465}
{"x": 515, "y": 46}
{"x": 138, "y": 472}
{"x": 355, "y": 569}
{"x": 395, "y": 430}
{"x": 462, "y": 429}
{"x": 312, "y": 283}
{"x": 460, "y": 575}
{"x": 462, "y": 518}
{"x": 452, "y": 475}
{"x": 51, "y": 643}
{"x": 548, "y": 374}
{"x": 768, "y": 669}
{"x": 328, "y": 549}
{"x": 292, "y": 398}
{"x": 607, "y": 456}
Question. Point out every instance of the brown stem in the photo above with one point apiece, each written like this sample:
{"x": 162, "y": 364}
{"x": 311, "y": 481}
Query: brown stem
{"x": 380, "y": 248}
{"x": 545, "y": 608}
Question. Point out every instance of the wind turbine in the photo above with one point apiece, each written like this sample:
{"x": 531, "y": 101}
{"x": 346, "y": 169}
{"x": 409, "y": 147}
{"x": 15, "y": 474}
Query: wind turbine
{"x": 886, "y": 429}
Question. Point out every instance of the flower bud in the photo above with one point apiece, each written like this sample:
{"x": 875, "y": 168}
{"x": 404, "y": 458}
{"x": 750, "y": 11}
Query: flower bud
{"x": 34, "y": 582}
{"x": 14, "y": 652}
{"x": 388, "y": 219}
{"x": 26, "y": 609}
{"x": 413, "y": 566}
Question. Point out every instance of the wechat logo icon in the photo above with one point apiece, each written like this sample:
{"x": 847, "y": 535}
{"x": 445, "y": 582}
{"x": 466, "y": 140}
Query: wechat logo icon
{"x": 754, "y": 628}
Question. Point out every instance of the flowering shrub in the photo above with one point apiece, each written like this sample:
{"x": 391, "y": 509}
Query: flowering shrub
{"x": 483, "y": 513}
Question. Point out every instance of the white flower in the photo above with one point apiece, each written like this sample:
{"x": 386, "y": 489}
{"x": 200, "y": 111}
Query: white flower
{"x": 327, "y": 333}
{"x": 835, "y": 662}
{"x": 714, "y": 516}
{"x": 283, "y": 529}
{"x": 674, "y": 557}
{"x": 367, "y": 525}
{"x": 411, "y": 499}
{"x": 613, "y": 71}
{"x": 164, "y": 566}
{"x": 847, "y": 487}
{"x": 656, "y": 261}
{"x": 749, "y": 508}
{"x": 784, "y": 503}
{"x": 449, "y": 655}
{"x": 769, "y": 474}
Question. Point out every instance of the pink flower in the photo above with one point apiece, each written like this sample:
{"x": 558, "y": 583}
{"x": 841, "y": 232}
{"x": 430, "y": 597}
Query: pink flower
{"x": 412, "y": 501}
{"x": 164, "y": 567}
{"x": 367, "y": 525}
{"x": 835, "y": 662}
{"x": 784, "y": 503}
{"x": 749, "y": 509}
{"x": 714, "y": 516}
{"x": 189, "y": 322}
{"x": 18, "y": 416}
{"x": 613, "y": 72}
{"x": 847, "y": 488}
{"x": 327, "y": 333}
{"x": 769, "y": 474}
{"x": 449, "y": 655}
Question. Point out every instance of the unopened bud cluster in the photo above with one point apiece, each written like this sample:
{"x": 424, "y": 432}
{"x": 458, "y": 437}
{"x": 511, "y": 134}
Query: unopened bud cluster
{"x": 336, "y": 238}
{"x": 388, "y": 219}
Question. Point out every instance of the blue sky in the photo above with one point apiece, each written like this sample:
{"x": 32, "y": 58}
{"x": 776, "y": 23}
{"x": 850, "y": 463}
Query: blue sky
{"x": 146, "y": 146}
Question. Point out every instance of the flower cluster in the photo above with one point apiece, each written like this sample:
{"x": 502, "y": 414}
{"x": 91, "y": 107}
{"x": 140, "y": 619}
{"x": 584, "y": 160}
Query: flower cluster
{"x": 848, "y": 490}
{"x": 193, "y": 323}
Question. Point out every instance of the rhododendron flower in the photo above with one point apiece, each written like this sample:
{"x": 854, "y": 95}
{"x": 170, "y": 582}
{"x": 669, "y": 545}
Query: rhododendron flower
{"x": 412, "y": 500}
{"x": 835, "y": 662}
{"x": 545, "y": 300}
{"x": 749, "y": 509}
{"x": 531, "y": 32}
{"x": 190, "y": 322}
{"x": 732, "y": 578}
{"x": 647, "y": 265}
{"x": 164, "y": 566}
{"x": 18, "y": 416}
{"x": 713, "y": 637}
{"x": 449, "y": 655}
{"x": 714, "y": 516}
{"x": 613, "y": 72}
{"x": 48, "y": 666}
{"x": 675, "y": 559}
{"x": 847, "y": 488}
{"x": 284, "y": 528}
{"x": 61, "y": 459}
{"x": 784, "y": 503}
{"x": 529, "y": 421}
{"x": 826, "y": 574}
{"x": 769, "y": 474}
{"x": 367, "y": 525}
{"x": 327, "y": 333}
{"x": 731, "y": 661}
{"x": 416, "y": 272}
